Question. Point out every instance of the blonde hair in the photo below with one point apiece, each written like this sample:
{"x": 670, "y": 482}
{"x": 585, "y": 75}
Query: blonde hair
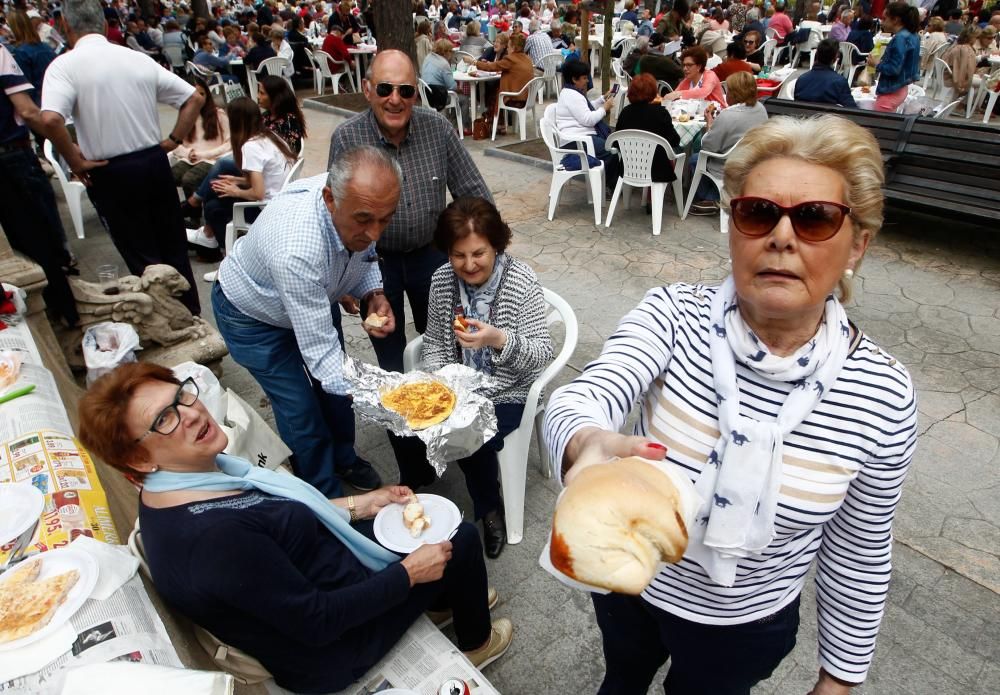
{"x": 741, "y": 88}
{"x": 443, "y": 47}
{"x": 828, "y": 141}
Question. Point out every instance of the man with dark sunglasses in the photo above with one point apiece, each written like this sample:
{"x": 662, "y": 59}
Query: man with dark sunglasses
{"x": 433, "y": 162}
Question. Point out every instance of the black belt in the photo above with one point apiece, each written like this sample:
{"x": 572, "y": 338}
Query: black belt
{"x": 23, "y": 144}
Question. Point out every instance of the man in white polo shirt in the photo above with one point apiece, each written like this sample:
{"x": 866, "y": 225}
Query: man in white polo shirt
{"x": 111, "y": 93}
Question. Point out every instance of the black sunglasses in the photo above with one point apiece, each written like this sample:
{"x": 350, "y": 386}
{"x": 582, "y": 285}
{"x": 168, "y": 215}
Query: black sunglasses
{"x": 813, "y": 220}
{"x": 169, "y": 418}
{"x": 406, "y": 91}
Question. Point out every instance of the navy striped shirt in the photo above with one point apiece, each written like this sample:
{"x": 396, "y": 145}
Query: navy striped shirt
{"x": 843, "y": 468}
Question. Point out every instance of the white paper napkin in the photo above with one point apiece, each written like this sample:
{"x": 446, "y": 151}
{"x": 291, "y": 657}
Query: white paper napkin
{"x": 37, "y": 655}
{"x": 120, "y": 678}
{"x": 117, "y": 565}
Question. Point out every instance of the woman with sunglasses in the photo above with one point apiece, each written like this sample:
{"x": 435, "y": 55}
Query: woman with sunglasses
{"x": 263, "y": 560}
{"x": 698, "y": 83}
{"x": 794, "y": 426}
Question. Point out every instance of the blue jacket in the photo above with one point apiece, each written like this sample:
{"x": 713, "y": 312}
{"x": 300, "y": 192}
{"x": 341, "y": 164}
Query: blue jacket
{"x": 34, "y": 59}
{"x": 823, "y": 85}
{"x": 900, "y": 64}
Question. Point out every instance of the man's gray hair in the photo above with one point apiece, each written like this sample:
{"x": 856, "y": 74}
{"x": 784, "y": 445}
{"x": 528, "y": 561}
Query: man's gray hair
{"x": 533, "y": 26}
{"x": 84, "y": 16}
{"x": 347, "y": 165}
{"x": 753, "y": 14}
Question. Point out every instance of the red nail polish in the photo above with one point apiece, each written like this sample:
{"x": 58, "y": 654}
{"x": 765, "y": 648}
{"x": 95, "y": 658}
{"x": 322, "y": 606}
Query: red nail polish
{"x": 658, "y": 447}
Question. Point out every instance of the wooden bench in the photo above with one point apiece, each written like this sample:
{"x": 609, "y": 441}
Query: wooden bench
{"x": 942, "y": 167}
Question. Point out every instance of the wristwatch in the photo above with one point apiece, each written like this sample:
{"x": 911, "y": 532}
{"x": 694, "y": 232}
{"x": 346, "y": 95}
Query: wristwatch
{"x": 352, "y": 509}
{"x": 174, "y": 139}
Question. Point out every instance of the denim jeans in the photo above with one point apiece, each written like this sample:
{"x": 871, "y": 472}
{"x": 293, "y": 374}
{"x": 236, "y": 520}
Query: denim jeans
{"x": 218, "y": 211}
{"x": 317, "y": 426}
{"x": 706, "y": 187}
{"x": 719, "y": 659}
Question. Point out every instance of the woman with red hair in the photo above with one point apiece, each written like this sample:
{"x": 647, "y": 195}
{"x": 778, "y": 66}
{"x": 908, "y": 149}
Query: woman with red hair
{"x": 643, "y": 113}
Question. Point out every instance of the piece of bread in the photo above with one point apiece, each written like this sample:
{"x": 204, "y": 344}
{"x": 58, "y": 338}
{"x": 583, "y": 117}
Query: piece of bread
{"x": 460, "y": 324}
{"x": 414, "y": 518}
{"x": 376, "y": 321}
{"x": 615, "y": 523}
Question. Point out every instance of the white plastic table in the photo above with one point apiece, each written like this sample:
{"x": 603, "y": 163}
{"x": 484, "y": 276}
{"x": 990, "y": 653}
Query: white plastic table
{"x": 477, "y": 81}
{"x": 361, "y": 51}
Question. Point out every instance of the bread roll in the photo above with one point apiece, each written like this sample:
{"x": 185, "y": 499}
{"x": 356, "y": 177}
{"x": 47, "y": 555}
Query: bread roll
{"x": 376, "y": 321}
{"x": 615, "y": 523}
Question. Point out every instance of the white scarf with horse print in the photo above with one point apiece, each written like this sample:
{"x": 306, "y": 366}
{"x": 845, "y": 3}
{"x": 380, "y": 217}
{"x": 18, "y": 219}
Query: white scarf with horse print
{"x": 740, "y": 483}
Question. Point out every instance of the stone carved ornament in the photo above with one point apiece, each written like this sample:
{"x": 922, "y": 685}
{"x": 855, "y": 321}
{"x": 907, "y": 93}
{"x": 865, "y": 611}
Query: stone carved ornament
{"x": 149, "y": 303}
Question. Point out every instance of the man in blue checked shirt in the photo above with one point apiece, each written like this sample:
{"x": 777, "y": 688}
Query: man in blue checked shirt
{"x": 275, "y": 305}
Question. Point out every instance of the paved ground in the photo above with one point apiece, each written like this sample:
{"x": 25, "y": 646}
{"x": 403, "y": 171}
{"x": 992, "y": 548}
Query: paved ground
{"x": 929, "y": 293}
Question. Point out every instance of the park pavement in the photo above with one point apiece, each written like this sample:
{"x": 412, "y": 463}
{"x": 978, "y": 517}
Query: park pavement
{"x": 928, "y": 292}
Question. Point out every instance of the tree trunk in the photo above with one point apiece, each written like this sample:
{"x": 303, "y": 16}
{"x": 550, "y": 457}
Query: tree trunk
{"x": 609, "y": 15}
{"x": 146, "y": 9}
{"x": 200, "y": 9}
{"x": 585, "y": 36}
{"x": 394, "y": 25}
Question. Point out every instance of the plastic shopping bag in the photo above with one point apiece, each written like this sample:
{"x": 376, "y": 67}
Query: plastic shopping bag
{"x": 210, "y": 391}
{"x": 108, "y": 345}
{"x": 250, "y": 437}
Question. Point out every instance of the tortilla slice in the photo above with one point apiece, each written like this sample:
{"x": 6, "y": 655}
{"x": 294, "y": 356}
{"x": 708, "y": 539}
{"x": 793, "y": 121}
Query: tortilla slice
{"x": 29, "y": 606}
{"x": 422, "y": 403}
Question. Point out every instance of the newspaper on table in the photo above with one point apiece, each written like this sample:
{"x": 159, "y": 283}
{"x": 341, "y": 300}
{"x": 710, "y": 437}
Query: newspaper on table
{"x": 124, "y": 627}
{"x": 62, "y": 470}
{"x": 422, "y": 661}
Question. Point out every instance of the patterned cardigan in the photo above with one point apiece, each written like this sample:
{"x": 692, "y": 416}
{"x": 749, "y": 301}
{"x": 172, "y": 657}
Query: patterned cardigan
{"x": 518, "y": 310}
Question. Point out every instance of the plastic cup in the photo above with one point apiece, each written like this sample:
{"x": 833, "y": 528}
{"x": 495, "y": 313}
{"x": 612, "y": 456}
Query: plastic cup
{"x": 107, "y": 277}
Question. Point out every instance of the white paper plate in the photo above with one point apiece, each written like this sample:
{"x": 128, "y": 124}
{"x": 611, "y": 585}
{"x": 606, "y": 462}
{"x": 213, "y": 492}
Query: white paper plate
{"x": 56, "y": 562}
{"x": 20, "y": 506}
{"x": 391, "y": 533}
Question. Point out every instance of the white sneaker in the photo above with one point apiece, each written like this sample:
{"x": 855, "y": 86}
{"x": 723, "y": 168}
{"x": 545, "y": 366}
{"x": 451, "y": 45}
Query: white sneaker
{"x": 198, "y": 236}
{"x": 210, "y": 276}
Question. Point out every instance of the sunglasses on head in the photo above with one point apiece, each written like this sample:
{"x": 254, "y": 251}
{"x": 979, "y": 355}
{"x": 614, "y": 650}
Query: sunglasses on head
{"x": 406, "y": 91}
{"x": 812, "y": 220}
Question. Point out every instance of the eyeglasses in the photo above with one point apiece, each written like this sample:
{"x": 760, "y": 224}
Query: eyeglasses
{"x": 813, "y": 220}
{"x": 687, "y": 65}
{"x": 406, "y": 91}
{"x": 169, "y": 418}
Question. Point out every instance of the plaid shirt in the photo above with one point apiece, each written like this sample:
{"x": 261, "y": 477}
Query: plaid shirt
{"x": 290, "y": 270}
{"x": 431, "y": 157}
{"x": 538, "y": 46}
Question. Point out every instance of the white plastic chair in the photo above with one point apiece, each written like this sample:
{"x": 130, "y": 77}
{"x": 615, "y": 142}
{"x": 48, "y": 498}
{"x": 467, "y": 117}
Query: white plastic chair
{"x": 701, "y": 169}
{"x": 239, "y": 226}
{"x": 453, "y": 103}
{"x": 985, "y": 93}
{"x": 514, "y": 455}
{"x": 937, "y": 89}
{"x": 772, "y": 54}
{"x": 847, "y": 67}
{"x": 269, "y": 66}
{"x": 947, "y": 109}
{"x": 322, "y": 60}
{"x": 787, "y": 90}
{"x": 560, "y": 175}
{"x": 73, "y": 191}
{"x": 636, "y": 148}
{"x": 550, "y": 74}
{"x": 530, "y": 92}
{"x": 210, "y": 76}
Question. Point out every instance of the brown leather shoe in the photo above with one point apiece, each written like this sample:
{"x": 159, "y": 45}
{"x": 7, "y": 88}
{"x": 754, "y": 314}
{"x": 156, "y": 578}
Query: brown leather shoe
{"x": 501, "y": 635}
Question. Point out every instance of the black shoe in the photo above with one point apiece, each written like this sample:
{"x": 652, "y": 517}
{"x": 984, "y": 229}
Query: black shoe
{"x": 494, "y": 534}
{"x": 361, "y": 476}
{"x": 705, "y": 207}
{"x": 192, "y": 213}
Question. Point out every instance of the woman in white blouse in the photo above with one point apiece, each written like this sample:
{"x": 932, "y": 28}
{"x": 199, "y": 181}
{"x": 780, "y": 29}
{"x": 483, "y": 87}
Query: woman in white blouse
{"x": 577, "y": 116}
{"x": 263, "y": 158}
{"x": 284, "y": 50}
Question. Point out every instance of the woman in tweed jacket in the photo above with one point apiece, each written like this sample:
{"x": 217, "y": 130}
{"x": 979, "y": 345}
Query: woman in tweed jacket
{"x": 501, "y": 300}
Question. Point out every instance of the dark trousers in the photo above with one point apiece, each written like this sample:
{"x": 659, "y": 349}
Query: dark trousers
{"x": 719, "y": 659}
{"x": 481, "y": 469}
{"x": 462, "y": 588}
{"x": 189, "y": 176}
{"x": 30, "y": 219}
{"x": 406, "y": 273}
{"x": 218, "y": 211}
{"x": 317, "y": 426}
{"x": 136, "y": 199}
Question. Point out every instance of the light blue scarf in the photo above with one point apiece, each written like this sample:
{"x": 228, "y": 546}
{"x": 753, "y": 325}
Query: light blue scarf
{"x": 477, "y": 303}
{"x": 237, "y": 474}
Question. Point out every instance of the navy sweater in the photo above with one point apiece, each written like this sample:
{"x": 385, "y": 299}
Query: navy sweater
{"x": 262, "y": 574}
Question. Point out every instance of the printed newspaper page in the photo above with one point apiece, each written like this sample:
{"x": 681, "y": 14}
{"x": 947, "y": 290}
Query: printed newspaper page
{"x": 423, "y": 660}
{"x": 125, "y": 627}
